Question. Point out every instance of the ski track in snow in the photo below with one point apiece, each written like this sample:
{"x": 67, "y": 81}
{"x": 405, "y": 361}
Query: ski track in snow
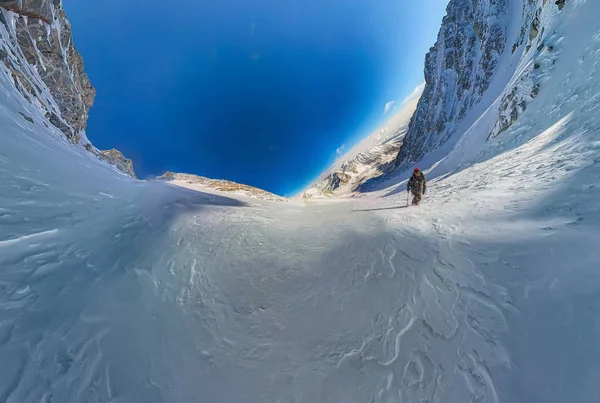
{"x": 115, "y": 290}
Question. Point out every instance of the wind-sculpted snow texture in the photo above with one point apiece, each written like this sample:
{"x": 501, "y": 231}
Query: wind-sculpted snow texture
{"x": 116, "y": 290}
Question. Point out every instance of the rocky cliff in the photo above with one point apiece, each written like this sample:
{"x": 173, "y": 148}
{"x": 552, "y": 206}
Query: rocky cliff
{"x": 37, "y": 51}
{"x": 475, "y": 37}
{"x": 458, "y": 70}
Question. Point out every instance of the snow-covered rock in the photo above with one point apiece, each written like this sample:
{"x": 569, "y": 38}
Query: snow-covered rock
{"x": 116, "y": 158}
{"x": 458, "y": 71}
{"x": 37, "y": 53}
{"x": 490, "y": 54}
{"x": 203, "y": 184}
{"x": 469, "y": 70}
{"x": 536, "y": 45}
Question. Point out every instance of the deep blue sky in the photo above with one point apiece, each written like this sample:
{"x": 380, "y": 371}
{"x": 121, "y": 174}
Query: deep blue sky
{"x": 260, "y": 92}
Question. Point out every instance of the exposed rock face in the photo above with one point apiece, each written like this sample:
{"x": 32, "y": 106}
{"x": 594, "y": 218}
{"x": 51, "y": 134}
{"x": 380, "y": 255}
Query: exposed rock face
{"x": 37, "y": 49}
{"x": 458, "y": 71}
{"x": 201, "y": 183}
{"x": 460, "y": 67}
{"x": 540, "y": 47}
{"x": 116, "y": 158}
{"x": 40, "y": 9}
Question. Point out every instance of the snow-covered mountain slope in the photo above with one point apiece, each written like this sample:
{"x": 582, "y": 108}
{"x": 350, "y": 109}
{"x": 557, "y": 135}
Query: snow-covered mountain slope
{"x": 207, "y": 185}
{"x": 459, "y": 69}
{"x": 115, "y": 290}
{"x": 37, "y": 53}
{"x": 521, "y": 209}
{"x": 473, "y": 64}
{"x": 371, "y": 157}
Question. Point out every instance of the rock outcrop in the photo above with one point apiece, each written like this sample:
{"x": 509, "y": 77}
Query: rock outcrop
{"x": 460, "y": 67}
{"x": 39, "y": 9}
{"x": 201, "y": 183}
{"x": 539, "y": 46}
{"x": 116, "y": 158}
{"x": 37, "y": 51}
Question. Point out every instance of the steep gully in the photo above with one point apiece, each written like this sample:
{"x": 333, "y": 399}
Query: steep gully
{"x": 119, "y": 290}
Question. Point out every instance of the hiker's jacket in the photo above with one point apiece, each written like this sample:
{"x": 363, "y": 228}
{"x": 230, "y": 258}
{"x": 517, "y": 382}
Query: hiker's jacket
{"x": 417, "y": 183}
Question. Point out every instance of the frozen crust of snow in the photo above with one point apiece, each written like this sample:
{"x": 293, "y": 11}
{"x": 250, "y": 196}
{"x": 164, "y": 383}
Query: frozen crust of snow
{"x": 115, "y": 290}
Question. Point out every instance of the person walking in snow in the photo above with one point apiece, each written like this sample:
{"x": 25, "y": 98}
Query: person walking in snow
{"x": 417, "y": 185}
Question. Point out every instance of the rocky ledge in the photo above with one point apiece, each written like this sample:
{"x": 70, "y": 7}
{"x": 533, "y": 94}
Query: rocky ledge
{"x": 116, "y": 158}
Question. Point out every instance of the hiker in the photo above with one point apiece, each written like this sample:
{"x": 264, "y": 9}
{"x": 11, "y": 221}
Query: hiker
{"x": 417, "y": 186}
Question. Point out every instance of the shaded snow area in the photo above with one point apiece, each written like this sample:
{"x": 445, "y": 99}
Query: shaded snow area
{"x": 117, "y": 290}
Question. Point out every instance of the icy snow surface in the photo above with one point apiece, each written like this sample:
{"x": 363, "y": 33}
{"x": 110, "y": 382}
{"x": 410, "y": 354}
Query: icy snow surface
{"x": 115, "y": 290}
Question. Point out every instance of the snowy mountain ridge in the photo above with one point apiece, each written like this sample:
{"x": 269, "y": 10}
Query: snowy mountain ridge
{"x": 38, "y": 54}
{"x": 458, "y": 71}
{"x": 201, "y": 183}
{"x": 369, "y": 159}
{"x": 352, "y": 173}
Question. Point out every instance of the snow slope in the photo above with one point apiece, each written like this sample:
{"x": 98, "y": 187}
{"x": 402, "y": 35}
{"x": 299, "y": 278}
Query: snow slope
{"x": 472, "y": 44}
{"x": 115, "y": 290}
{"x": 522, "y": 210}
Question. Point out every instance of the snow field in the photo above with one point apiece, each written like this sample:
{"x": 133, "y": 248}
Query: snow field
{"x": 115, "y": 290}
